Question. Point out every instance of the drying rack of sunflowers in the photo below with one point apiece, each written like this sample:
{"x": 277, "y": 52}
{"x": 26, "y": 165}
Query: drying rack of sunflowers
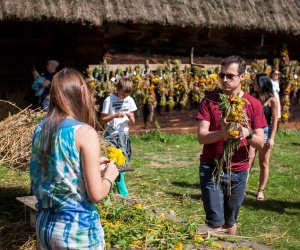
{"x": 168, "y": 83}
{"x": 234, "y": 114}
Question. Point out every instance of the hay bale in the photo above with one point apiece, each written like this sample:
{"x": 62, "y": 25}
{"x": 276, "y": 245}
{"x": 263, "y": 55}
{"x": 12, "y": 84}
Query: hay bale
{"x": 16, "y": 135}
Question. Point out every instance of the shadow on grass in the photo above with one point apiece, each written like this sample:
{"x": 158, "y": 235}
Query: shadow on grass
{"x": 295, "y": 143}
{"x": 181, "y": 197}
{"x": 278, "y": 206}
{"x": 186, "y": 184}
{"x": 10, "y": 208}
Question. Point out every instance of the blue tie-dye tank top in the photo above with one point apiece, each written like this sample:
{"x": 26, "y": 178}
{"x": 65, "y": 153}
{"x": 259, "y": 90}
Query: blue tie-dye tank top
{"x": 66, "y": 218}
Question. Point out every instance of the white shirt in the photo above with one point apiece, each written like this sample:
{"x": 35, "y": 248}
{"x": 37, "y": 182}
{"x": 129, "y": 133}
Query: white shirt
{"x": 276, "y": 90}
{"x": 114, "y": 104}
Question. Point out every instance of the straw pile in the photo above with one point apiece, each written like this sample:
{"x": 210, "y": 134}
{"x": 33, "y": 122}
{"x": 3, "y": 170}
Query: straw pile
{"x": 17, "y": 235}
{"x": 16, "y": 135}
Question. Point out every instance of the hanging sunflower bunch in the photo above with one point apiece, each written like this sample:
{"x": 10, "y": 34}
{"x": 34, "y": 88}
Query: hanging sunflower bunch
{"x": 196, "y": 92}
{"x": 295, "y": 71}
{"x": 247, "y": 82}
{"x": 286, "y": 82}
{"x": 138, "y": 93}
{"x": 235, "y": 117}
{"x": 160, "y": 85}
{"x": 196, "y": 85}
{"x": 181, "y": 91}
{"x": 99, "y": 80}
{"x": 150, "y": 99}
{"x": 180, "y": 87}
{"x": 259, "y": 66}
{"x": 212, "y": 82}
{"x": 170, "y": 102}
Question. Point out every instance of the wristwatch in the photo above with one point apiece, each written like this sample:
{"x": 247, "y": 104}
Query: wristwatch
{"x": 250, "y": 135}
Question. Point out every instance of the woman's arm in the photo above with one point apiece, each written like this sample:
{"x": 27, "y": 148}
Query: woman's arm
{"x": 87, "y": 142}
{"x": 274, "y": 107}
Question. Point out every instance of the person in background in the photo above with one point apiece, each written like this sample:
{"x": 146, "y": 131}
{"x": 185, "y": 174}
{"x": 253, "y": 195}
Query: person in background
{"x": 264, "y": 88}
{"x": 117, "y": 112}
{"x": 41, "y": 84}
{"x": 68, "y": 174}
{"x": 221, "y": 206}
{"x": 275, "y": 74}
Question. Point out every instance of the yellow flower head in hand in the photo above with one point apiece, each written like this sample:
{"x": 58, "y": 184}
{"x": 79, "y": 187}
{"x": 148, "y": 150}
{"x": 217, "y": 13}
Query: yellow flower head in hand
{"x": 116, "y": 155}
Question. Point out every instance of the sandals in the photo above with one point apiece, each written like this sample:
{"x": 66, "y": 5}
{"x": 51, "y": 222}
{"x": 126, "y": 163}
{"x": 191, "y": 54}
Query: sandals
{"x": 260, "y": 195}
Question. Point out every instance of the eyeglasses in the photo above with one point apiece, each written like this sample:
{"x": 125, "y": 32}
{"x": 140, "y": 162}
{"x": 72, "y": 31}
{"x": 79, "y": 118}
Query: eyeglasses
{"x": 276, "y": 74}
{"x": 229, "y": 76}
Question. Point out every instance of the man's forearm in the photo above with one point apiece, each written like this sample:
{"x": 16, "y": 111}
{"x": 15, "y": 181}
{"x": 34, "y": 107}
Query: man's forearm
{"x": 257, "y": 140}
{"x": 210, "y": 136}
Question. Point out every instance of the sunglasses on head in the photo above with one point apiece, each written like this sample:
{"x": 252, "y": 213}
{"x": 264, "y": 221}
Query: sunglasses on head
{"x": 229, "y": 76}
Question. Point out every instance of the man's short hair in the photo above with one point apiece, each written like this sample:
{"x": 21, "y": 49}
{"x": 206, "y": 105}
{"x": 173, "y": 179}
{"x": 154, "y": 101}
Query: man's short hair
{"x": 235, "y": 59}
{"x": 54, "y": 62}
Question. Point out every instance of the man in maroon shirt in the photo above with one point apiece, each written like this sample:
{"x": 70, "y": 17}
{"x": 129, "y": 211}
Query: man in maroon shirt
{"x": 222, "y": 207}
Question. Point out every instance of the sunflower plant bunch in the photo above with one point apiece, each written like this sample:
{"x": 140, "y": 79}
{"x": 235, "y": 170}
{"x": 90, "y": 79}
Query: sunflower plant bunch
{"x": 233, "y": 112}
{"x": 132, "y": 226}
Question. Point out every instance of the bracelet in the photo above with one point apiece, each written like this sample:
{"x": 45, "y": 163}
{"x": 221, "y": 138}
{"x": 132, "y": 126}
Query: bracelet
{"x": 110, "y": 182}
{"x": 250, "y": 135}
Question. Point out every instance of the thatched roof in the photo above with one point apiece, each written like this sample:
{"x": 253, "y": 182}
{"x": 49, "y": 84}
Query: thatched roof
{"x": 268, "y": 15}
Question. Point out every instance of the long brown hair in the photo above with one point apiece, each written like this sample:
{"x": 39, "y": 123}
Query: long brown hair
{"x": 69, "y": 96}
{"x": 265, "y": 88}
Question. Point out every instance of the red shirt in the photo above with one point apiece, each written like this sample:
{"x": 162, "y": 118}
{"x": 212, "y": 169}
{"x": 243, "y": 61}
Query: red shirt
{"x": 210, "y": 112}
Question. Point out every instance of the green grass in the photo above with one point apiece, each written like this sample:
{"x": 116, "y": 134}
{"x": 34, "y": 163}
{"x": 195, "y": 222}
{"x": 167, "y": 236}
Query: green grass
{"x": 166, "y": 177}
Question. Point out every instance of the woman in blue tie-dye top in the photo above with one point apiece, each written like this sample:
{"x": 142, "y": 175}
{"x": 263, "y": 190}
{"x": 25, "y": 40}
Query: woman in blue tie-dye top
{"x": 68, "y": 175}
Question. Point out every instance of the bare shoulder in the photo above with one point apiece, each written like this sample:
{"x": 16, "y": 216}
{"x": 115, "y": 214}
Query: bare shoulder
{"x": 86, "y": 129}
{"x": 85, "y": 134}
{"x": 273, "y": 101}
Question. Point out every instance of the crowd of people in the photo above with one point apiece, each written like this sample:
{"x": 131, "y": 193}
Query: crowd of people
{"x": 69, "y": 175}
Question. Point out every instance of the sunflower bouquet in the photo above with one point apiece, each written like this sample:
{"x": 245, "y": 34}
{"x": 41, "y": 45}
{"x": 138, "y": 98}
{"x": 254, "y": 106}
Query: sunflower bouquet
{"x": 235, "y": 117}
{"x": 115, "y": 154}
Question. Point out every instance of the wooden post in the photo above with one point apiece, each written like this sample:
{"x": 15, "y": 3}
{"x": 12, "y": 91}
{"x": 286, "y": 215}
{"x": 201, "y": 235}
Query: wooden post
{"x": 262, "y": 40}
{"x": 192, "y": 56}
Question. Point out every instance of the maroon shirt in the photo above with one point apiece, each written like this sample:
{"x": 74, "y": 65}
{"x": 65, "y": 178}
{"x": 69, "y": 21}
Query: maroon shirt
{"x": 210, "y": 112}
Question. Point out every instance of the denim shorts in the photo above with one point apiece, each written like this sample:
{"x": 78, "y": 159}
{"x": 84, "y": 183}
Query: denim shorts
{"x": 267, "y": 133}
{"x": 221, "y": 207}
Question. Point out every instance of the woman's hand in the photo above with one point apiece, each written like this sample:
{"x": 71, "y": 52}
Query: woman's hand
{"x": 103, "y": 163}
{"x": 270, "y": 143}
{"x": 111, "y": 171}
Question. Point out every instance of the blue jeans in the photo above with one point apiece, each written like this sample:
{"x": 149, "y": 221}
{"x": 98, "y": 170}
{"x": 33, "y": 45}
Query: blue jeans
{"x": 267, "y": 133}
{"x": 221, "y": 207}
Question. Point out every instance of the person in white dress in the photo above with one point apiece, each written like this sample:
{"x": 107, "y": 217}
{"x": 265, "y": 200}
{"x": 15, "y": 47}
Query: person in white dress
{"x": 275, "y": 74}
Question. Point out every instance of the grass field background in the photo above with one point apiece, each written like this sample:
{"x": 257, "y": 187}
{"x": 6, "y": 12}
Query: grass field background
{"x": 166, "y": 176}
